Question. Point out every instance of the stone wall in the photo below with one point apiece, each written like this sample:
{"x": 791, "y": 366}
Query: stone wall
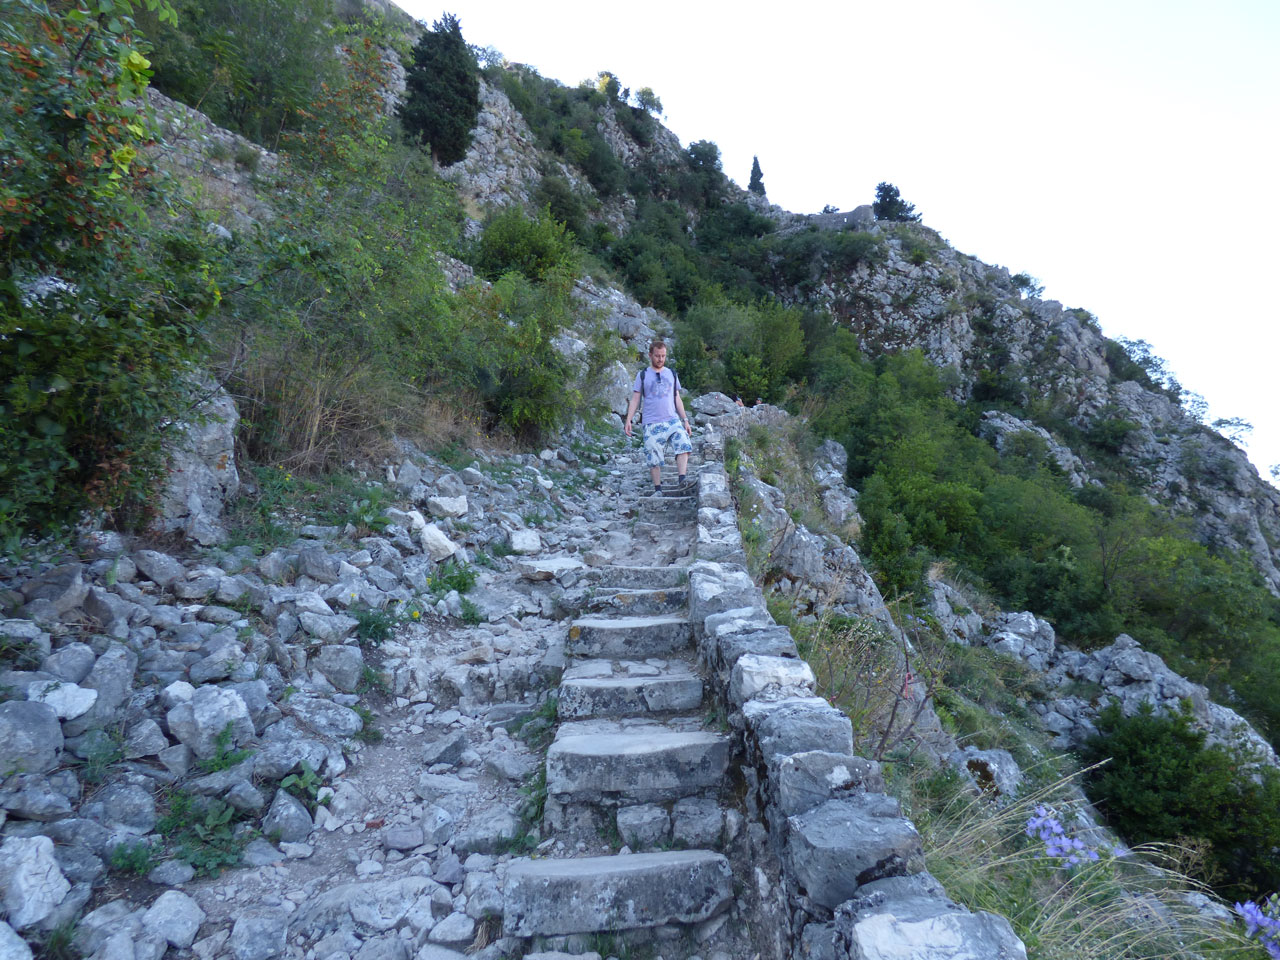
{"x": 839, "y": 871}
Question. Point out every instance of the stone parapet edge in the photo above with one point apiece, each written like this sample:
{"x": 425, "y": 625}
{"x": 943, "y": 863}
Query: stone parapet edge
{"x": 786, "y": 733}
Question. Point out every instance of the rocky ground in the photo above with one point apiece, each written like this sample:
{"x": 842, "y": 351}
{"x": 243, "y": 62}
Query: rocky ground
{"x": 168, "y": 712}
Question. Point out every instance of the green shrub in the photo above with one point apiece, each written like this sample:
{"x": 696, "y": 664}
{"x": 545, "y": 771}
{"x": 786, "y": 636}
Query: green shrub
{"x": 100, "y": 308}
{"x": 1164, "y": 784}
{"x": 202, "y": 832}
{"x": 537, "y": 248}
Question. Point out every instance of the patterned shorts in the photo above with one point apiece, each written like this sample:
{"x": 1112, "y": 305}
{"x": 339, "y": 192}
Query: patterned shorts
{"x": 657, "y": 436}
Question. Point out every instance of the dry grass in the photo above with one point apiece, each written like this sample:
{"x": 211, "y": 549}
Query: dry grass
{"x": 1138, "y": 905}
{"x": 310, "y": 411}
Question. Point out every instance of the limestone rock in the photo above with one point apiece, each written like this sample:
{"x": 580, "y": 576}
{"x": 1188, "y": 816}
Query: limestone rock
{"x": 30, "y": 737}
{"x": 30, "y": 880}
{"x": 842, "y": 844}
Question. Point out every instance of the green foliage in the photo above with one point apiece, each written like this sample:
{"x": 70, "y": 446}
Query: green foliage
{"x": 250, "y": 65}
{"x": 305, "y": 786}
{"x": 750, "y": 350}
{"x": 224, "y": 756}
{"x": 539, "y": 249}
{"x": 1164, "y": 784}
{"x": 889, "y": 205}
{"x": 608, "y": 84}
{"x": 136, "y": 857}
{"x": 202, "y": 832}
{"x": 99, "y": 306}
{"x": 537, "y": 728}
{"x": 368, "y": 732}
{"x": 374, "y": 626}
{"x": 442, "y": 91}
{"x": 504, "y": 353}
{"x": 756, "y": 183}
{"x": 565, "y": 206}
{"x": 471, "y": 614}
{"x": 452, "y": 575}
{"x": 648, "y": 101}
{"x": 103, "y": 753}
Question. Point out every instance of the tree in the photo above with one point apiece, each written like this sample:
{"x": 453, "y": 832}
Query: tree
{"x": 442, "y": 92}
{"x": 889, "y": 205}
{"x": 757, "y": 178}
{"x": 608, "y": 84}
{"x": 648, "y": 101}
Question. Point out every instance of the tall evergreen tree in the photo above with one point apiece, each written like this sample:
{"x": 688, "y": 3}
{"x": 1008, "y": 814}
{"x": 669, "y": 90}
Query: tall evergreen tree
{"x": 442, "y": 92}
{"x": 889, "y": 205}
{"x": 757, "y": 178}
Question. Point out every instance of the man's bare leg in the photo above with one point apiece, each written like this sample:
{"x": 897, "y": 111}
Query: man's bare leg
{"x": 682, "y": 464}
{"x": 656, "y": 473}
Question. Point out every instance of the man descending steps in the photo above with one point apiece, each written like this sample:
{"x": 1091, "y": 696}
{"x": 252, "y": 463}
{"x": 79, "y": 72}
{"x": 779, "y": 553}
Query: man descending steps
{"x": 666, "y": 425}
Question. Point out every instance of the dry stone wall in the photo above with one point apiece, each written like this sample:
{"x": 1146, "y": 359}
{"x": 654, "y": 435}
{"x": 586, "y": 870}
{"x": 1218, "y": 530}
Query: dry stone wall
{"x": 840, "y": 872}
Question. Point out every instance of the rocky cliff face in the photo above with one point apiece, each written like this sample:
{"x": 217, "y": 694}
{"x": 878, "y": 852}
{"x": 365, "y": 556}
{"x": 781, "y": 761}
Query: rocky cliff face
{"x": 970, "y": 317}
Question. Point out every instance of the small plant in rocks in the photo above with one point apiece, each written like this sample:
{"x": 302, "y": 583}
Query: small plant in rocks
{"x": 471, "y": 615}
{"x": 369, "y": 733}
{"x": 374, "y": 626}
{"x": 224, "y": 757}
{"x": 136, "y": 857}
{"x": 203, "y": 832}
{"x": 452, "y": 575}
{"x": 305, "y": 786}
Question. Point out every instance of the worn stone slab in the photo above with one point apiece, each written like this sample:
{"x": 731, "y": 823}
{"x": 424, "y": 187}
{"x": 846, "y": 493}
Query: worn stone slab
{"x": 668, "y": 509}
{"x": 587, "y": 691}
{"x": 806, "y": 780}
{"x": 593, "y": 894}
{"x": 842, "y": 844}
{"x": 551, "y": 569}
{"x": 640, "y": 602}
{"x": 643, "y": 578}
{"x": 643, "y": 763}
{"x": 628, "y": 637}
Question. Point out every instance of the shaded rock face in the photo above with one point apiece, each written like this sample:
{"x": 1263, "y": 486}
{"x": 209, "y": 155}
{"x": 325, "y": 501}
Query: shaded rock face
{"x": 202, "y": 469}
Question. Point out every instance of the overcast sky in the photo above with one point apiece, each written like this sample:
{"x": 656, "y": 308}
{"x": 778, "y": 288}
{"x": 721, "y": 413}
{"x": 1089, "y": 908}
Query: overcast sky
{"x": 1124, "y": 152}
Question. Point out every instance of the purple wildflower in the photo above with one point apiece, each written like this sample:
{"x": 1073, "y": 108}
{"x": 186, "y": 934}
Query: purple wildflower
{"x": 1046, "y": 827}
{"x": 1264, "y": 922}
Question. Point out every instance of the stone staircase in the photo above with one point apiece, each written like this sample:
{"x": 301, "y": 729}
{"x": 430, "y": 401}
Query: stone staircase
{"x": 636, "y": 761}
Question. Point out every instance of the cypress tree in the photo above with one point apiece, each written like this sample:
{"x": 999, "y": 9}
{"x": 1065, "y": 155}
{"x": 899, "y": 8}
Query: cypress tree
{"x": 889, "y": 205}
{"x": 757, "y": 178}
{"x": 442, "y": 92}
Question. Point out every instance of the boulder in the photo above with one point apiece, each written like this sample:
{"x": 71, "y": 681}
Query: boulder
{"x": 30, "y": 737}
{"x": 842, "y": 844}
{"x": 31, "y": 883}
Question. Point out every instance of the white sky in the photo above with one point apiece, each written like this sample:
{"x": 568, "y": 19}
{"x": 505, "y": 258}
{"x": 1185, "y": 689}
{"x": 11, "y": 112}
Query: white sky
{"x": 1124, "y": 152}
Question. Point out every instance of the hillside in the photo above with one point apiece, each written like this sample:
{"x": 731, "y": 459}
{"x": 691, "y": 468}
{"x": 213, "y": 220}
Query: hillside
{"x": 313, "y": 387}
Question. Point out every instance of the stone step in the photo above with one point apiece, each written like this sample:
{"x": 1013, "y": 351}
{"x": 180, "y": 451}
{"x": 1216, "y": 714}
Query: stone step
{"x": 607, "y": 688}
{"x": 668, "y": 509}
{"x": 625, "y": 638}
{"x": 639, "y": 602}
{"x": 599, "y": 894}
{"x": 608, "y": 761}
{"x": 642, "y": 578}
